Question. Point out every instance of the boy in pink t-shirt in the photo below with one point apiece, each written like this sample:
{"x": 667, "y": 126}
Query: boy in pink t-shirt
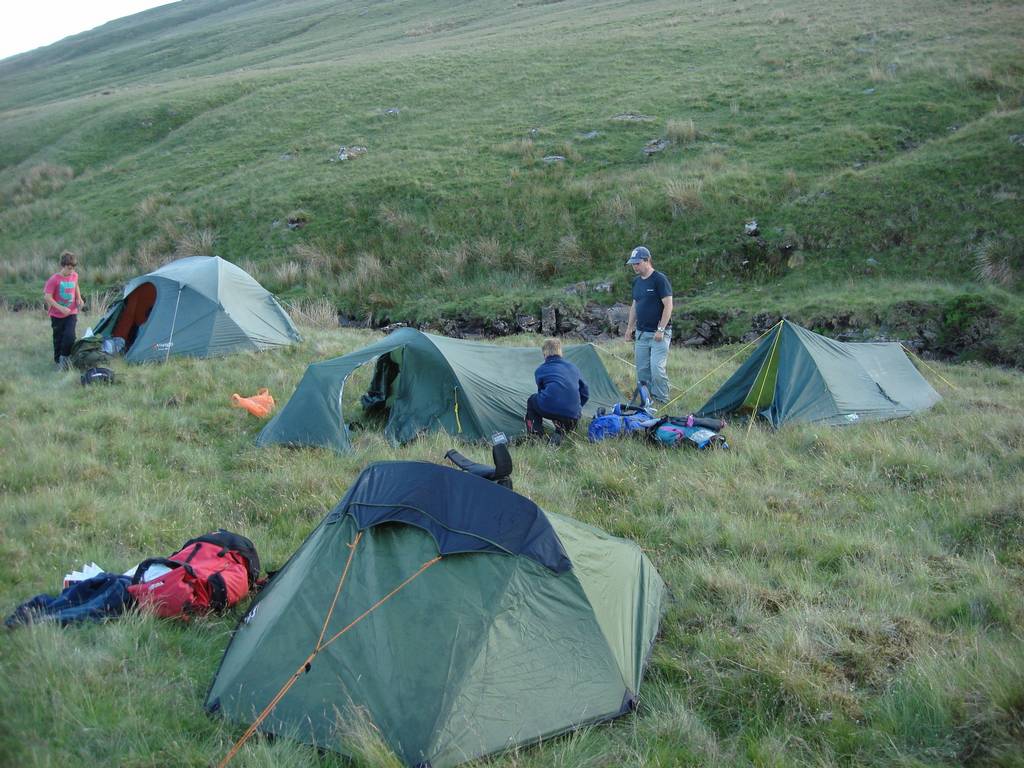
{"x": 63, "y": 299}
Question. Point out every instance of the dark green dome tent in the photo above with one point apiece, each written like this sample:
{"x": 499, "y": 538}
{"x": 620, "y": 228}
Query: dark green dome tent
{"x": 201, "y": 306}
{"x": 798, "y": 375}
{"x": 427, "y": 383}
{"x": 456, "y": 614}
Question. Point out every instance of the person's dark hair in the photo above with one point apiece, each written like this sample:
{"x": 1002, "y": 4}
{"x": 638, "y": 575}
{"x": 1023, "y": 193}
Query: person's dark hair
{"x": 68, "y": 259}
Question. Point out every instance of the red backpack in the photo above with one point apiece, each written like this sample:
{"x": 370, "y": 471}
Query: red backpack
{"x": 210, "y": 572}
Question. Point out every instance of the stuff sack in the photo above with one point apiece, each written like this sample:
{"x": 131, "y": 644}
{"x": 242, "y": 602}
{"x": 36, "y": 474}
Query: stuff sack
{"x": 98, "y": 376}
{"x": 209, "y": 573}
{"x": 674, "y": 433}
{"x": 88, "y": 353}
{"x": 259, "y": 405}
{"x": 623, "y": 420}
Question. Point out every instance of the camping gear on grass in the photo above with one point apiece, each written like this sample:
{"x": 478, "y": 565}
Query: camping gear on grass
{"x": 259, "y": 405}
{"x": 456, "y": 615}
{"x": 97, "y": 376}
{"x": 500, "y": 473}
{"x": 87, "y": 352}
{"x": 623, "y": 420}
{"x": 200, "y": 306}
{"x": 210, "y": 572}
{"x": 676, "y": 432}
{"x": 797, "y": 375}
{"x": 426, "y": 383}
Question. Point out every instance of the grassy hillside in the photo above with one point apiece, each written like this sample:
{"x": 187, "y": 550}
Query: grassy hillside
{"x": 842, "y": 597}
{"x": 877, "y": 145}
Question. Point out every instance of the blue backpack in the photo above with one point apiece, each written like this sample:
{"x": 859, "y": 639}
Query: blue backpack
{"x": 623, "y": 420}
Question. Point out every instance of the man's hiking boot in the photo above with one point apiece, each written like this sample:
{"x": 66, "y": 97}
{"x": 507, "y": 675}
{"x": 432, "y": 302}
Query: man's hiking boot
{"x": 63, "y": 363}
{"x": 556, "y": 439}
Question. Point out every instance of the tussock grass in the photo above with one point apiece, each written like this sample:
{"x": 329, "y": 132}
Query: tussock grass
{"x": 38, "y": 181}
{"x": 840, "y": 596}
{"x": 288, "y": 274}
{"x": 569, "y": 250}
{"x": 681, "y": 131}
{"x": 195, "y": 242}
{"x": 36, "y": 266}
{"x": 1000, "y": 259}
{"x": 317, "y": 313}
{"x": 150, "y": 205}
{"x": 685, "y": 195}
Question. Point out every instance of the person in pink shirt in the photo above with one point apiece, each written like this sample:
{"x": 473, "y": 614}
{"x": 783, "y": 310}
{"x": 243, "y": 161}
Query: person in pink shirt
{"x": 63, "y": 299}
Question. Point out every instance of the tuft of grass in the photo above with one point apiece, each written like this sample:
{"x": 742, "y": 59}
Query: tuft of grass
{"x": 195, "y": 242}
{"x": 288, "y": 274}
{"x": 685, "y": 195}
{"x": 681, "y": 131}
{"x": 620, "y": 209}
{"x": 877, "y": 73}
{"x": 999, "y": 259}
{"x": 37, "y": 182}
{"x": 315, "y": 313}
{"x": 98, "y": 302}
{"x": 150, "y": 205}
{"x": 525, "y": 150}
{"x": 569, "y": 251}
{"x": 790, "y": 181}
{"x": 366, "y": 275}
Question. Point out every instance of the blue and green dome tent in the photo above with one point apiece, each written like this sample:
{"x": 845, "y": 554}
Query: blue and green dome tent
{"x": 456, "y": 614}
{"x": 427, "y": 383}
{"x": 797, "y": 375}
{"x": 201, "y": 306}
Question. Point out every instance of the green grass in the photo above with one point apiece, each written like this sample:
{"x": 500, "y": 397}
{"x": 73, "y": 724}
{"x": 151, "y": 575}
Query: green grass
{"x": 844, "y": 597}
{"x": 872, "y": 143}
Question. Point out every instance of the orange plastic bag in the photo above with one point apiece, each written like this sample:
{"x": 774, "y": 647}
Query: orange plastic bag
{"x": 259, "y": 405}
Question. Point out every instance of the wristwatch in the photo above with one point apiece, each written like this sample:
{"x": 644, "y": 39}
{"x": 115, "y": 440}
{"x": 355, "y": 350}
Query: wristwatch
{"x": 660, "y": 330}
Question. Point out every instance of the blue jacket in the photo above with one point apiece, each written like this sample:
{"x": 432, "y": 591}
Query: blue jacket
{"x": 560, "y": 390}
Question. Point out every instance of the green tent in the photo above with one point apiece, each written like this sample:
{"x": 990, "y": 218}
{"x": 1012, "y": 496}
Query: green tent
{"x": 454, "y": 614}
{"x": 798, "y": 375}
{"x": 201, "y": 306}
{"x": 429, "y": 382}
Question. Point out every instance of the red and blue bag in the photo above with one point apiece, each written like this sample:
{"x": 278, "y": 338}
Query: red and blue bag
{"x": 209, "y": 573}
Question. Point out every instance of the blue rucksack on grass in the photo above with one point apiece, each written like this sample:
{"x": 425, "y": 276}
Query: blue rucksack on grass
{"x": 623, "y": 420}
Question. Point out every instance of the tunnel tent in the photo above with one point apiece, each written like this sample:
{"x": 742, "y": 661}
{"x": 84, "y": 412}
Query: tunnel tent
{"x": 796, "y": 375}
{"x": 201, "y": 306}
{"x": 428, "y": 383}
{"x": 457, "y": 615}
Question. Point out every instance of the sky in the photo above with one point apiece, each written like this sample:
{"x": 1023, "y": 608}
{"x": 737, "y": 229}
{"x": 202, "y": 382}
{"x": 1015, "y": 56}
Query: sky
{"x": 29, "y": 24}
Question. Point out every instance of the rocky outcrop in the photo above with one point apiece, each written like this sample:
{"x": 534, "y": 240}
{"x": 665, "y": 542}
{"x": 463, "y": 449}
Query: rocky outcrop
{"x": 963, "y": 328}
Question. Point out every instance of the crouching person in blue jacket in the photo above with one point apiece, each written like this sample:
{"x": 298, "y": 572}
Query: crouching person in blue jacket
{"x": 561, "y": 394}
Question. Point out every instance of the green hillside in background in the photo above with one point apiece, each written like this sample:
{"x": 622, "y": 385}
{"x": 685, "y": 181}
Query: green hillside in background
{"x": 879, "y": 147}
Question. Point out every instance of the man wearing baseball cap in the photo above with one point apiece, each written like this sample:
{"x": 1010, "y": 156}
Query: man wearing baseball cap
{"x": 650, "y": 315}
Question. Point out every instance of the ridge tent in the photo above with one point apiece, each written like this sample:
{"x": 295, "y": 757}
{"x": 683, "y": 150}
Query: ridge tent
{"x": 426, "y": 383}
{"x": 456, "y": 614}
{"x": 201, "y": 306}
{"x": 798, "y": 375}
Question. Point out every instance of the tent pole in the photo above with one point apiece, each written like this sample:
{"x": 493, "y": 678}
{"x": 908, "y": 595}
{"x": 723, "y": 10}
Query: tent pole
{"x": 458, "y": 423}
{"x": 764, "y": 367}
{"x": 304, "y": 667}
{"x": 174, "y": 319}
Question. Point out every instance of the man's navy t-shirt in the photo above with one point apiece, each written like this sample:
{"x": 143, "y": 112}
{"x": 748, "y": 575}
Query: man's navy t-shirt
{"x": 648, "y": 293}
